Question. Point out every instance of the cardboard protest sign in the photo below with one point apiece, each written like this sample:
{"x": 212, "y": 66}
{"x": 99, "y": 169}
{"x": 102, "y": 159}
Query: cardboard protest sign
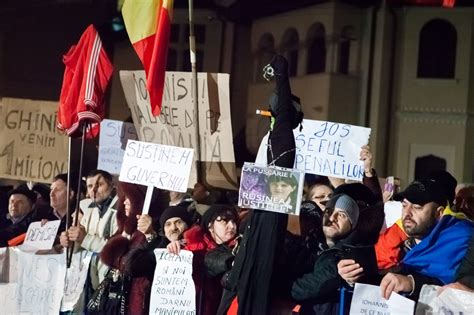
{"x": 176, "y": 124}
{"x": 76, "y": 276}
{"x": 40, "y": 280}
{"x": 39, "y": 236}
{"x": 326, "y": 148}
{"x": 273, "y": 189}
{"x": 367, "y": 299}
{"x": 173, "y": 290}
{"x": 112, "y": 141}
{"x": 450, "y": 301}
{"x": 162, "y": 166}
{"x": 30, "y": 146}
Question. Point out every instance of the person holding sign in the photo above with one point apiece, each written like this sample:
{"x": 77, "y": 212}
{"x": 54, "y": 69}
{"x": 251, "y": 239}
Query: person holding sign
{"x": 318, "y": 290}
{"x": 256, "y": 262}
{"x": 435, "y": 246}
{"x": 98, "y": 223}
{"x": 217, "y": 232}
{"x": 58, "y": 203}
{"x": 174, "y": 221}
{"x": 129, "y": 207}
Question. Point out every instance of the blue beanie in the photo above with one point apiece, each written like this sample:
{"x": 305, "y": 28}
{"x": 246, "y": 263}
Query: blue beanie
{"x": 349, "y": 206}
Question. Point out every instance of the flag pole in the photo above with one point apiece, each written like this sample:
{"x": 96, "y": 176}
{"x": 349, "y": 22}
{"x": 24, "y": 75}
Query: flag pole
{"x": 192, "y": 57}
{"x": 70, "y": 249}
{"x": 68, "y": 185}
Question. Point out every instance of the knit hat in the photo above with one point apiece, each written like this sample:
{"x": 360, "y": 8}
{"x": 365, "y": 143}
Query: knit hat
{"x": 359, "y": 192}
{"x": 23, "y": 190}
{"x": 216, "y": 210}
{"x": 175, "y": 212}
{"x": 311, "y": 210}
{"x": 347, "y": 205}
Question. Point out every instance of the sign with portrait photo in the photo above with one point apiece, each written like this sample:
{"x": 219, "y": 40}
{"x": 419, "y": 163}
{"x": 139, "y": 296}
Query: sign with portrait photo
{"x": 271, "y": 188}
{"x": 177, "y": 125}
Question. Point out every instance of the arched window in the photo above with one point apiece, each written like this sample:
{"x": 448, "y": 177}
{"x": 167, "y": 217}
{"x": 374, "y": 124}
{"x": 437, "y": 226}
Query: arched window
{"x": 316, "y": 43}
{"x": 265, "y": 53}
{"x": 347, "y": 35}
{"x": 289, "y": 49}
{"x": 437, "y": 50}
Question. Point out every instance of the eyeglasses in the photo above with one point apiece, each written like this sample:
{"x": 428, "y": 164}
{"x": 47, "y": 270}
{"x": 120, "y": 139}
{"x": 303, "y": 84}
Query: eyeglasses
{"x": 225, "y": 220}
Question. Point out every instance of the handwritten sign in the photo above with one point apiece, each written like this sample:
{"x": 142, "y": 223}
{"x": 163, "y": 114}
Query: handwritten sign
{"x": 8, "y": 299}
{"x": 450, "y": 301}
{"x": 41, "y": 236}
{"x": 162, "y": 166}
{"x": 112, "y": 141}
{"x": 176, "y": 124}
{"x": 273, "y": 189}
{"x": 40, "y": 282}
{"x": 30, "y": 146}
{"x": 326, "y": 148}
{"x": 368, "y": 300}
{"x": 76, "y": 276}
{"x": 173, "y": 290}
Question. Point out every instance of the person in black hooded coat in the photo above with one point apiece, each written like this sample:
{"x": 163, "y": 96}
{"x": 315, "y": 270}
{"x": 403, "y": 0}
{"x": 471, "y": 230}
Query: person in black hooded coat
{"x": 256, "y": 262}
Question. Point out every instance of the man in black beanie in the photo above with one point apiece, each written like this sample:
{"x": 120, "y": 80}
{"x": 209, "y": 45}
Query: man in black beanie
{"x": 141, "y": 262}
{"x": 174, "y": 221}
{"x": 20, "y": 210}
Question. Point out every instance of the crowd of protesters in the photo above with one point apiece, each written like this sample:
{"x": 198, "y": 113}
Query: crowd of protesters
{"x": 246, "y": 261}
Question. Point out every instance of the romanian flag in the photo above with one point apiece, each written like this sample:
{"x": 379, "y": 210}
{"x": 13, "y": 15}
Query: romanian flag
{"x": 148, "y": 24}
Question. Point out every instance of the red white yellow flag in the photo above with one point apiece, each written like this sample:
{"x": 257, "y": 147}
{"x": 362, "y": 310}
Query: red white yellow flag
{"x": 148, "y": 24}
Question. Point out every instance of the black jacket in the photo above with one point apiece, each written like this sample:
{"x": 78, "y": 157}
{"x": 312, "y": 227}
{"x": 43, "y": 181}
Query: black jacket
{"x": 465, "y": 273}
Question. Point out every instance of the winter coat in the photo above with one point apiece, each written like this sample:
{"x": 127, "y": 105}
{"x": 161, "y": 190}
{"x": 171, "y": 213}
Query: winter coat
{"x": 465, "y": 273}
{"x": 318, "y": 291}
{"x": 208, "y": 287}
{"x": 114, "y": 255}
{"x": 99, "y": 229}
{"x": 389, "y": 246}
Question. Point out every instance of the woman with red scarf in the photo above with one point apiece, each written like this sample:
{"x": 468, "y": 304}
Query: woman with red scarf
{"x": 210, "y": 242}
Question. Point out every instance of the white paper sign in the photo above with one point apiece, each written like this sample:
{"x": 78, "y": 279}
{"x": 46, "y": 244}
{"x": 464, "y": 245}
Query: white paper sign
{"x": 162, "y": 166}
{"x": 173, "y": 290}
{"x": 367, "y": 299}
{"x": 40, "y": 282}
{"x": 450, "y": 301}
{"x": 41, "y": 237}
{"x": 326, "y": 148}
{"x": 273, "y": 189}
{"x": 112, "y": 142}
{"x": 76, "y": 276}
{"x": 8, "y": 301}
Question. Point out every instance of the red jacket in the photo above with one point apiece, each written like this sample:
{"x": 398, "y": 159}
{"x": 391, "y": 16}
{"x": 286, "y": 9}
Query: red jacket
{"x": 208, "y": 288}
{"x": 388, "y": 246}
